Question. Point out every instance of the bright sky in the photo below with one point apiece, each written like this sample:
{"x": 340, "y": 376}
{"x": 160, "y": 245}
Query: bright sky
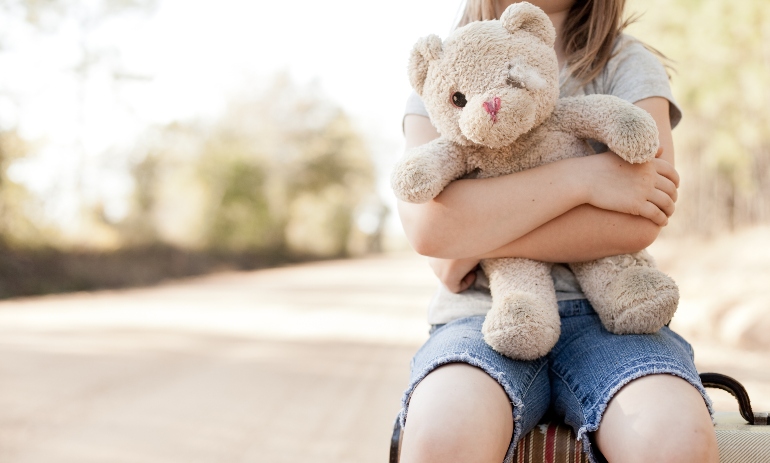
{"x": 189, "y": 55}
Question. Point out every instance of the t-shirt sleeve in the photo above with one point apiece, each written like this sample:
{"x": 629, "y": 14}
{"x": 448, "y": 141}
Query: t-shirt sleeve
{"x": 414, "y": 105}
{"x": 635, "y": 73}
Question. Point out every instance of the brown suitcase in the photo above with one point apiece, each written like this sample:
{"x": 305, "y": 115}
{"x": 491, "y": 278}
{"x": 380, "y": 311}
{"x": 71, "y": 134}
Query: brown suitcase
{"x": 742, "y": 437}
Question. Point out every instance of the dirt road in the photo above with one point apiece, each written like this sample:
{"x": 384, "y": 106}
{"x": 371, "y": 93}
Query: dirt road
{"x": 284, "y": 365}
{"x": 305, "y": 363}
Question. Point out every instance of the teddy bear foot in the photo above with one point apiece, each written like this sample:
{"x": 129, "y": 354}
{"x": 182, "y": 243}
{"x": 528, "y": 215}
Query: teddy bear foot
{"x": 521, "y": 326}
{"x": 640, "y": 300}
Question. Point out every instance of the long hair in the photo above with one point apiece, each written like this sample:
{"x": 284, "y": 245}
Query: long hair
{"x": 589, "y": 32}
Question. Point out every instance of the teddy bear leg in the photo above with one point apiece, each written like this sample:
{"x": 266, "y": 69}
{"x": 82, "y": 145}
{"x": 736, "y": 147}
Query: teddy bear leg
{"x": 524, "y": 320}
{"x": 630, "y": 295}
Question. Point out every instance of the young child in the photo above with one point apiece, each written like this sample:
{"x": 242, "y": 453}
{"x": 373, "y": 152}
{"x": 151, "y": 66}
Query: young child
{"x": 629, "y": 397}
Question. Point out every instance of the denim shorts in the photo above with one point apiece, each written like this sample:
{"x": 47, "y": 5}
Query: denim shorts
{"x": 575, "y": 381}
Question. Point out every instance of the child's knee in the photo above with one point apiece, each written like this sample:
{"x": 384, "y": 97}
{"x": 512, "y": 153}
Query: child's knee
{"x": 696, "y": 444}
{"x": 441, "y": 441}
{"x": 661, "y": 418}
{"x": 457, "y": 413}
{"x": 686, "y": 442}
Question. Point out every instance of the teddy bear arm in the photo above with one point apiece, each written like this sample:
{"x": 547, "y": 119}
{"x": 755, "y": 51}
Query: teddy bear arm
{"x": 426, "y": 170}
{"x": 630, "y": 295}
{"x": 628, "y": 130}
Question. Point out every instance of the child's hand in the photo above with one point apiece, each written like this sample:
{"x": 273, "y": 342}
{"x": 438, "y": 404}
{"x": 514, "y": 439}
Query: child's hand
{"x": 456, "y": 274}
{"x": 647, "y": 189}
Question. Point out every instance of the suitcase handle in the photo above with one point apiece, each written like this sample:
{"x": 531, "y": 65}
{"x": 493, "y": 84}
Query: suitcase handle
{"x": 726, "y": 383}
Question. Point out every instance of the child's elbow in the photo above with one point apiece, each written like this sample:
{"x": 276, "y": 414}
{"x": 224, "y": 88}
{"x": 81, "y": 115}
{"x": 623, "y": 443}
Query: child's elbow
{"x": 423, "y": 239}
{"x": 423, "y": 247}
{"x": 420, "y": 229}
{"x": 645, "y": 235}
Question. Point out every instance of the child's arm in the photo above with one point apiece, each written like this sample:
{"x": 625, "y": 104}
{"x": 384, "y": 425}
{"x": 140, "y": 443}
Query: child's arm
{"x": 587, "y": 225}
{"x": 478, "y": 217}
{"x": 582, "y": 233}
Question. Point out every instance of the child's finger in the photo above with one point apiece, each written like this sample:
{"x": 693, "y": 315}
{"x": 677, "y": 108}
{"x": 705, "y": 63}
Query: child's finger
{"x": 653, "y": 212}
{"x": 667, "y": 186}
{"x": 667, "y": 170}
{"x": 664, "y": 202}
{"x": 467, "y": 281}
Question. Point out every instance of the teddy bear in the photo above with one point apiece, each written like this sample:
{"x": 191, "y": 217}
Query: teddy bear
{"x": 492, "y": 92}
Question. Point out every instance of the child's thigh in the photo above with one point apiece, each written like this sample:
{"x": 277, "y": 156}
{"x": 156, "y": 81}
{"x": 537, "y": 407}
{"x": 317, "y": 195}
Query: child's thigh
{"x": 458, "y": 382}
{"x": 589, "y": 366}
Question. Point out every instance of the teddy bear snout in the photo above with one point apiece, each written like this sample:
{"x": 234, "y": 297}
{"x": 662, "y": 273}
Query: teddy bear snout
{"x": 497, "y": 118}
{"x": 492, "y": 107}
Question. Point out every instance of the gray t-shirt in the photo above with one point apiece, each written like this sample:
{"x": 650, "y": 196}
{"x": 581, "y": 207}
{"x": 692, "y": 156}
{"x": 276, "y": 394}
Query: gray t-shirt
{"x": 633, "y": 74}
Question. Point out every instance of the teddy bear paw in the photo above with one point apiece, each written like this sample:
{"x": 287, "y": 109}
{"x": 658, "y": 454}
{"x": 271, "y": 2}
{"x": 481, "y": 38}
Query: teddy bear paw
{"x": 636, "y": 137}
{"x": 521, "y": 326}
{"x": 644, "y": 300}
{"x": 414, "y": 181}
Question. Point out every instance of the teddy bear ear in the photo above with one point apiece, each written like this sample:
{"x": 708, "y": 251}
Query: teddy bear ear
{"x": 529, "y": 18}
{"x": 424, "y": 51}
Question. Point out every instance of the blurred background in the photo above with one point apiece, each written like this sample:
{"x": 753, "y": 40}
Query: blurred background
{"x": 200, "y": 258}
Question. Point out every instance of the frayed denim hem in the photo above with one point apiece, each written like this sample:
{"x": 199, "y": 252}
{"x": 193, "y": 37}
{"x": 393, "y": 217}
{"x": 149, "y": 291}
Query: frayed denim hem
{"x": 592, "y": 424}
{"x": 517, "y": 404}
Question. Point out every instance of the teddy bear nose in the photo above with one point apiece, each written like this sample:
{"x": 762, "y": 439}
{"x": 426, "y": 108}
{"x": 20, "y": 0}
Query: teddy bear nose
{"x": 492, "y": 107}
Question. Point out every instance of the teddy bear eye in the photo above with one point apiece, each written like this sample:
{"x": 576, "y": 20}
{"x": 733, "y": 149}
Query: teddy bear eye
{"x": 458, "y": 99}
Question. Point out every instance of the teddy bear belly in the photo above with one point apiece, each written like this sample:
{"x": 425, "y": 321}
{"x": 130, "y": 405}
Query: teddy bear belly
{"x": 541, "y": 147}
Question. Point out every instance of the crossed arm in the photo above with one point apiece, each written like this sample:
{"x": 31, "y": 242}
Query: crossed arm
{"x": 567, "y": 211}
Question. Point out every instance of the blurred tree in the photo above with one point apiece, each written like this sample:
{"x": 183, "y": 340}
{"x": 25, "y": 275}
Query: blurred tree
{"x": 165, "y": 206}
{"x": 281, "y": 171}
{"x": 285, "y": 170}
{"x": 722, "y": 52}
{"x": 238, "y": 215}
{"x": 139, "y": 227}
{"x": 17, "y": 227}
{"x": 82, "y": 20}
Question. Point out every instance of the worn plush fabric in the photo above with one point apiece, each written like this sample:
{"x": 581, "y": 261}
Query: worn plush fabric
{"x": 633, "y": 74}
{"x": 491, "y": 89}
{"x": 588, "y": 364}
{"x": 576, "y": 379}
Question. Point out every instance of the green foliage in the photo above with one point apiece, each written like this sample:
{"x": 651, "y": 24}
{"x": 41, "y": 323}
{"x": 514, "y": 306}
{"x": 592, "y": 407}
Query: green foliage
{"x": 285, "y": 169}
{"x": 721, "y": 54}
{"x": 139, "y": 228}
{"x": 279, "y": 175}
{"x": 17, "y": 227}
{"x": 281, "y": 170}
{"x": 240, "y": 217}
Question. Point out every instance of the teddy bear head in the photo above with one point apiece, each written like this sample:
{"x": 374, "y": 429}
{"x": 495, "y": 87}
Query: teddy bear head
{"x": 489, "y": 82}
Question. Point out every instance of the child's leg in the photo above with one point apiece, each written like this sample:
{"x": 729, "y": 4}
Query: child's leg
{"x": 641, "y": 393}
{"x": 457, "y": 413}
{"x": 658, "y": 418}
{"x": 465, "y": 399}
